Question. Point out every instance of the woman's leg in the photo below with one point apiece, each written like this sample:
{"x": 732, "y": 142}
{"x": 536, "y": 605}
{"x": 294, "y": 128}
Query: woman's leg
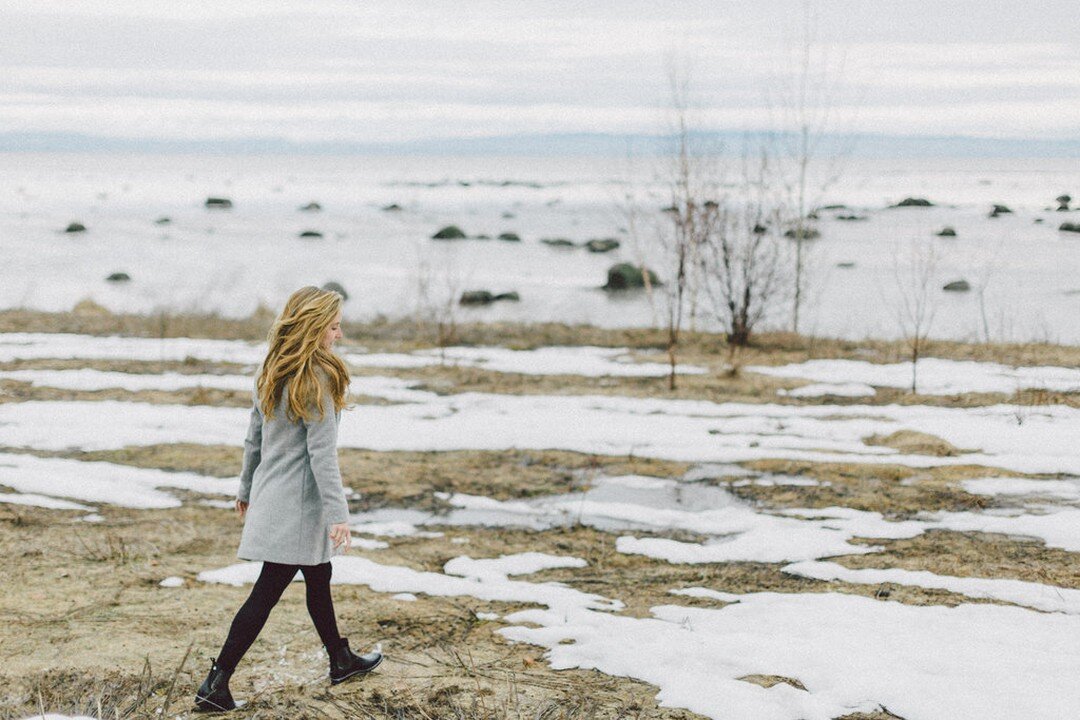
{"x": 319, "y": 603}
{"x": 252, "y": 615}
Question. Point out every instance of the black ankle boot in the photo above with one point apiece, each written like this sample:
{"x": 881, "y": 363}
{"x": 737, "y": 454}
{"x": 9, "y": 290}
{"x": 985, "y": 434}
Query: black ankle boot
{"x": 344, "y": 663}
{"x": 213, "y": 695}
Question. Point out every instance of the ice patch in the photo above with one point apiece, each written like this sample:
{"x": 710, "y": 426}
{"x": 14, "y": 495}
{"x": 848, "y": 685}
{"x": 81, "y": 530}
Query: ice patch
{"x": 935, "y": 376}
{"x": 103, "y": 482}
{"x": 1048, "y": 598}
{"x": 851, "y": 653}
{"x": 479, "y": 579}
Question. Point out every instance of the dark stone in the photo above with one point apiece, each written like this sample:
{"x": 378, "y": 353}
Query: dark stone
{"x": 957, "y": 286}
{"x": 75, "y": 227}
{"x": 311, "y": 234}
{"x": 163, "y": 221}
{"x": 508, "y": 216}
{"x": 947, "y": 231}
{"x": 507, "y": 296}
{"x": 392, "y": 207}
{"x": 476, "y": 297}
{"x": 914, "y": 202}
{"x": 311, "y": 207}
{"x": 670, "y": 209}
{"x": 812, "y": 216}
{"x": 847, "y": 265}
{"x": 625, "y": 276}
{"x": 711, "y": 205}
{"x": 557, "y": 242}
{"x": 118, "y": 277}
{"x": 850, "y": 218}
{"x": 450, "y": 232}
{"x": 1070, "y": 227}
{"x": 760, "y": 229}
{"x": 833, "y": 207}
{"x": 482, "y": 237}
{"x": 218, "y": 203}
{"x": 808, "y": 233}
{"x": 1063, "y": 202}
{"x": 336, "y": 287}
{"x": 999, "y": 210}
{"x": 1039, "y": 220}
{"x": 601, "y": 245}
{"x": 510, "y": 237}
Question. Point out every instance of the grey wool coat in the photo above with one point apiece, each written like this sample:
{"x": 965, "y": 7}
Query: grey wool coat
{"x": 292, "y": 484}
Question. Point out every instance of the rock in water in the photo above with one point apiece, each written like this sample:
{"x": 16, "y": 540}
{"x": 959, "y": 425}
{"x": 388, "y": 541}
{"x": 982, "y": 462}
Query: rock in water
{"x": 218, "y": 203}
{"x": 625, "y": 276}
{"x": 75, "y": 227}
{"x": 392, "y": 207}
{"x": 1000, "y": 210}
{"x": 845, "y": 265}
{"x": 336, "y": 287}
{"x": 957, "y": 286}
{"x": 510, "y": 237}
{"x": 476, "y": 297}
{"x": 163, "y": 221}
{"x": 808, "y": 233}
{"x": 512, "y": 295}
{"x": 947, "y": 231}
{"x": 602, "y": 245}
{"x": 450, "y": 232}
{"x": 311, "y": 207}
{"x": 1070, "y": 227}
{"x": 311, "y": 234}
{"x": 118, "y": 277}
{"x": 914, "y": 202}
{"x": 557, "y": 242}
{"x": 1063, "y": 202}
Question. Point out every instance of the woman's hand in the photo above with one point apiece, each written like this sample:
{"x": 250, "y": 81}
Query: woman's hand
{"x": 341, "y": 537}
{"x": 241, "y": 508}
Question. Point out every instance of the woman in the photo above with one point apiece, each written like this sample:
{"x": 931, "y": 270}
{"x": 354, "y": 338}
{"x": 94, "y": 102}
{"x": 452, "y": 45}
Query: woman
{"x": 291, "y": 497}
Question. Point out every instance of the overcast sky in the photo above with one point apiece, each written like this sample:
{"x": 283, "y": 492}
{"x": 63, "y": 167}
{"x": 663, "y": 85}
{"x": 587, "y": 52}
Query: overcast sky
{"x": 376, "y": 70}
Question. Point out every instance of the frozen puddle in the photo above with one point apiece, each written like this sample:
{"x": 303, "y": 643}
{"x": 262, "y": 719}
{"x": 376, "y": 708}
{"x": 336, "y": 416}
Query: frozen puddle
{"x": 1042, "y": 441}
{"x": 101, "y": 482}
{"x": 584, "y": 360}
{"x": 935, "y": 377}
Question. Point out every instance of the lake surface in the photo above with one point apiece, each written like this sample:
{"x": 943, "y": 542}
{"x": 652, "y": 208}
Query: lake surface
{"x": 230, "y": 261}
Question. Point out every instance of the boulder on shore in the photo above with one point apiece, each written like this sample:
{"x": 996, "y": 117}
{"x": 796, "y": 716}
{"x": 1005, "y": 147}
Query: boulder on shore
{"x": 808, "y": 233}
{"x": 75, "y": 227}
{"x": 218, "y": 203}
{"x": 336, "y": 287}
{"x": 947, "y": 231}
{"x": 914, "y": 202}
{"x": 450, "y": 232}
{"x": 602, "y": 245}
{"x": 957, "y": 286}
{"x": 625, "y": 276}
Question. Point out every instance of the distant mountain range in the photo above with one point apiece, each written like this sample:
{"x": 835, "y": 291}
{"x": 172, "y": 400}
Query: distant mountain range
{"x": 564, "y": 144}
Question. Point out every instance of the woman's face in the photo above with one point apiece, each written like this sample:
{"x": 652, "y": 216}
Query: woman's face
{"x": 333, "y": 333}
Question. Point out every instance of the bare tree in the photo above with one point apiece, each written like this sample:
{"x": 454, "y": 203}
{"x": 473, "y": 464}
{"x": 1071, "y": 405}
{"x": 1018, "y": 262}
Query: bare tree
{"x": 745, "y": 266}
{"x": 438, "y": 289}
{"x": 804, "y": 103}
{"x": 917, "y": 292}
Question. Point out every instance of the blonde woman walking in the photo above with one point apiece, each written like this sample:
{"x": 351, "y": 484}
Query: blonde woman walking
{"x": 291, "y": 497}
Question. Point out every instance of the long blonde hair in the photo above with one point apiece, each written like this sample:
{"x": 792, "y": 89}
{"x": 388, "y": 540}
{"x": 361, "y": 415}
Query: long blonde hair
{"x": 297, "y": 356}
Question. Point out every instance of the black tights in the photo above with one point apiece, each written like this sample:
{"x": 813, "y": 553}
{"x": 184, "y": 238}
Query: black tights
{"x": 272, "y": 582}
